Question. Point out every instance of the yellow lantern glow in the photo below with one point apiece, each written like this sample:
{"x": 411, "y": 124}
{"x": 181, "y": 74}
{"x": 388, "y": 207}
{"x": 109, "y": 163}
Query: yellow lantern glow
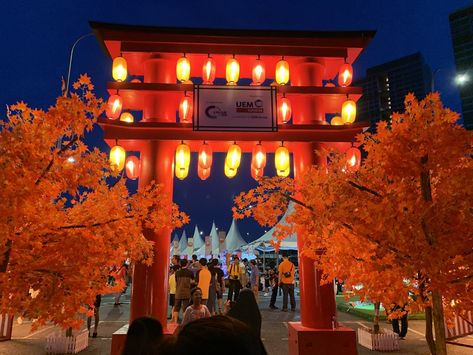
{"x": 258, "y": 159}
{"x": 117, "y": 158}
{"x": 229, "y": 172}
{"x": 232, "y": 71}
{"x": 283, "y": 173}
{"x": 282, "y": 161}
{"x": 182, "y": 160}
{"x": 183, "y": 69}
{"x": 126, "y": 117}
{"x": 186, "y": 109}
{"x": 258, "y": 73}
{"x": 114, "y": 107}
{"x": 203, "y": 173}
{"x": 205, "y": 156}
{"x": 256, "y": 173}
{"x": 132, "y": 167}
{"x": 284, "y": 110}
{"x": 282, "y": 72}
{"x": 349, "y": 111}
{"x": 119, "y": 69}
{"x": 345, "y": 75}
{"x": 208, "y": 71}
{"x": 336, "y": 121}
{"x": 233, "y": 157}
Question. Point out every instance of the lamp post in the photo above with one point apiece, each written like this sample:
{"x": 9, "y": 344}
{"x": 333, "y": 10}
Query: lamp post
{"x": 66, "y": 91}
{"x": 460, "y": 79}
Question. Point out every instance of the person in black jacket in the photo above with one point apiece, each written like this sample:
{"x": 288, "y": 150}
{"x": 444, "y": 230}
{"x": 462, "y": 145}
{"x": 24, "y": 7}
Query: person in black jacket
{"x": 246, "y": 310}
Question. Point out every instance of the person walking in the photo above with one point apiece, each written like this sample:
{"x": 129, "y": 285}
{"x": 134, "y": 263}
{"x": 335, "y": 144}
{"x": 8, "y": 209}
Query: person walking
{"x": 184, "y": 280}
{"x": 203, "y": 277}
{"x": 246, "y": 310}
{"x": 121, "y": 276}
{"x": 274, "y": 281}
{"x": 219, "y": 285}
{"x": 254, "y": 279}
{"x": 401, "y": 317}
{"x": 234, "y": 277}
{"x": 98, "y": 300}
{"x": 286, "y": 282}
{"x": 196, "y": 310}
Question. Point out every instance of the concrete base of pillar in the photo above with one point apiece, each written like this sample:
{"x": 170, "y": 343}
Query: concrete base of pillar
{"x": 119, "y": 337}
{"x": 305, "y": 341}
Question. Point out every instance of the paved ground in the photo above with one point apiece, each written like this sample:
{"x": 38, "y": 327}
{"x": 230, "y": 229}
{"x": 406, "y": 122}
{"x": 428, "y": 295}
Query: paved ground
{"x": 274, "y": 332}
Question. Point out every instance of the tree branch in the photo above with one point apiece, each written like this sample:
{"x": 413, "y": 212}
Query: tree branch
{"x": 364, "y": 188}
{"x": 98, "y": 224}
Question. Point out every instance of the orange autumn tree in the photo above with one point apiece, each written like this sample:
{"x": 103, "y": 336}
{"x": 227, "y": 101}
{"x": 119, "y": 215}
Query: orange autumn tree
{"x": 65, "y": 216}
{"x": 402, "y": 223}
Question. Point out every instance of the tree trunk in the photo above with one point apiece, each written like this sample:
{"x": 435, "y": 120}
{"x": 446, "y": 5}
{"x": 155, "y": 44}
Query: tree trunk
{"x": 376, "y": 318}
{"x": 6, "y": 256}
{"x": 69, "y": 332}
{"x": 439, "y": 323}
{"x": 429, "y": 335}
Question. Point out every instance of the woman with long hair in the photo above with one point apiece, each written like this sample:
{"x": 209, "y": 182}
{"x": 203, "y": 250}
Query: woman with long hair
{"x": 246, "y": 310}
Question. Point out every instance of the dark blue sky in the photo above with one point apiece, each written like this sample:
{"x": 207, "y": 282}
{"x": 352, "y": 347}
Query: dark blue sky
{"x": 36, "y": 38}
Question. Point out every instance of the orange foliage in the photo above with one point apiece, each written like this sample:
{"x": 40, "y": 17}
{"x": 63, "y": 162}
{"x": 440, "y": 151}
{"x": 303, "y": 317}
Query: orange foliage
{"x": 62, "y": 224}
{"x": 377, "y": 228}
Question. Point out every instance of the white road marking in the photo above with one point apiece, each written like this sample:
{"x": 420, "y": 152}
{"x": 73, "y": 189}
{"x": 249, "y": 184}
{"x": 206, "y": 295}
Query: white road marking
{"x": 37, "y": 332}
{"x": 416, "y": 332}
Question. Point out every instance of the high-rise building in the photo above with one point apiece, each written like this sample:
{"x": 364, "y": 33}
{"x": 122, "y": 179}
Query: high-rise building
{"x": 461, "y": 28}
{"x": 385, "y": 87}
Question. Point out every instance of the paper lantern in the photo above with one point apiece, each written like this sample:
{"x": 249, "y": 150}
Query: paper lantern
{"x": 353, "y": 156}
{"x": 114, "y": 107}
{"x": 284, "y": 110}
{"x": 186, "y": 109}
{"x": 256, "y": 173}
{"x": 258, "y": 73}
{"x": 336, "y": 121}
{"x": 205, "y": 156}
{"x": 208, "y": 71}
{"x": 282, "y": 72}
{"x": 132, "y": 167}
{"x": 203, "y": 173}
{"x": 126, "y": 117}
{"x": 233, "y": 157}
{"x": 281, "y": 160}
{"x": 258, "y": 159}
{"x": 182, "y": 161}
{"x": 284, "y": 173}
{"x": 119, "y": 69}
{"x": 232, "y": 71}
{"x": 229, "y": 172}
{"x": 117, "y": 158}
{"x": 183, "y": 69}
{"x": 349, "y": 111}
{"x": 345, "y": 75}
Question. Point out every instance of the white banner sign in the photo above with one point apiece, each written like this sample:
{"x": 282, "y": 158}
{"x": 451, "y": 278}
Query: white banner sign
{"x": 235, "y": 108}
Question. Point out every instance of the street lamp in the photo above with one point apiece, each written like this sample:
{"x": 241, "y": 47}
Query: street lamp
{"x": 460, "y": 79}
{"x": 66, "y": 91}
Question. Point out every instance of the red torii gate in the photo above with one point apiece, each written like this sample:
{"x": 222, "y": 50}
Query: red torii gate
{"x": 152, "y": 52}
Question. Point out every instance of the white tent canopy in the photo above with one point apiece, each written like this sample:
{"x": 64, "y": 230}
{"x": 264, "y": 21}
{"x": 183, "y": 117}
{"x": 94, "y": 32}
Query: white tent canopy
{"x": 174, "y": 246}
{"x": 234, "y": 241}
{"x": 198, "y": 242}
{"x": 215, "y": 241}
{"x": 183, "y": 243}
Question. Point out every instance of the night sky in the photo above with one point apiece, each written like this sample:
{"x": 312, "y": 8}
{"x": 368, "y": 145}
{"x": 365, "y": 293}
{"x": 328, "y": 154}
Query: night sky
{"x": 36, "y": 37}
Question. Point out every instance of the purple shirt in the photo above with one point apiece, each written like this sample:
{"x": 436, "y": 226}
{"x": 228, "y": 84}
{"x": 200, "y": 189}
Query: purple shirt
{"x": 254, "y": 275}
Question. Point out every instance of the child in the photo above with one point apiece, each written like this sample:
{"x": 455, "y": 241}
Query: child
{"x": 196, "y": 310}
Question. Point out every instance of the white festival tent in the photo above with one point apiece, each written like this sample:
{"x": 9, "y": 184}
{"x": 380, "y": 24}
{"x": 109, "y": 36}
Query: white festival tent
{"x": 183, "y": 244}
{"x": 215, "y": 242}
{"x": 174, "y": 250}
{"x": 234, "y": 241}
{"x": 197, "y": 239}
{"x": 263, "y": 243}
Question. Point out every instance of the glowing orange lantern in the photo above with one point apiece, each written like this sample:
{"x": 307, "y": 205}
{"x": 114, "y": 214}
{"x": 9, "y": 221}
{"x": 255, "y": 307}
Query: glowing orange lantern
{"x": 182, "y": 160}
{"x": 117, "y": 158}
{"x": 258, "y": 159}
{"x": 233, "y": 157}
{"x": 208, "y": 71}
{"x": 205, "y": 156}
{"x": 258, "y": 73}
{"x": 119, "y": 69}
{"x": 281, "y": 161}
{"x": 186, "y": 109}
{"x": 203, "y": 173}
{"x": 282, "y": 72}
{"x": 256, "y": 173}
{"x": 126, "y": 117}
{"x": 336, "y": 121}
{"x": 183, "y": 69}
{"x": 345, "y": 75}
{"x": 229, "y": 172}
{"x": 349, "y": 111}
{"x": 132, "y": 167}
{"x": 114, "y": 107}
{"x": 232, "y": 71}
{"x": 284, "y": 110}
{"x": 353, "y": 156}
